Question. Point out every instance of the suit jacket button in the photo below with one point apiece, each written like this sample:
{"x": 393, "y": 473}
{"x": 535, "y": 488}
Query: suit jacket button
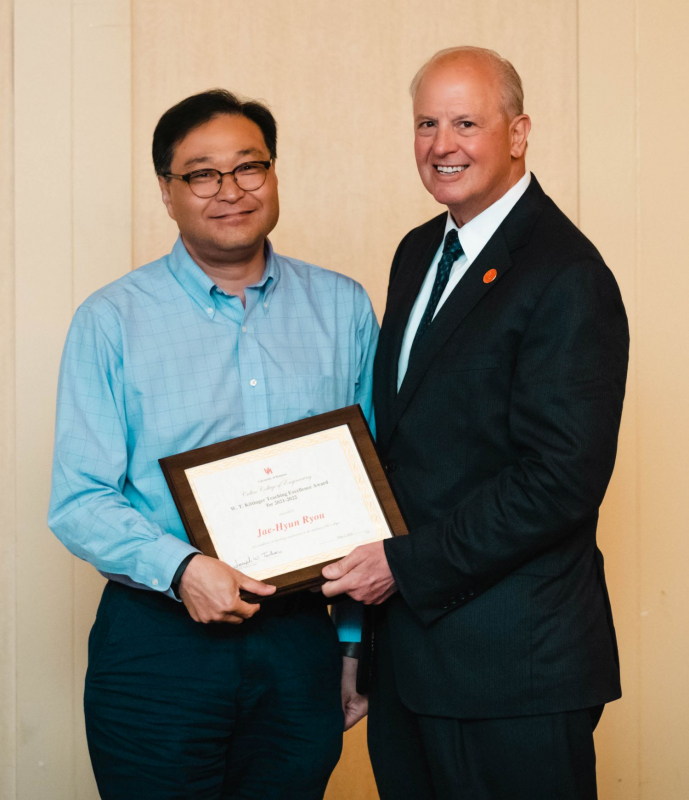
{"x": 471, "y": 593}
{"x": 462, "y": 598}
{"x": 391, "y": 466}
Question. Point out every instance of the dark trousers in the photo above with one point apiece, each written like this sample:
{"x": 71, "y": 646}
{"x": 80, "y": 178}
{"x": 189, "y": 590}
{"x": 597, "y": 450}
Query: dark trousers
{"x": 176, "y": 709}
{"x": 417, "y": 757}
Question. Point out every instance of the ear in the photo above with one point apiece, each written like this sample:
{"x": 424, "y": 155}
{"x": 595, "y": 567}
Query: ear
{"x": 519, "y": 133}
{"x": 165, "y": 192}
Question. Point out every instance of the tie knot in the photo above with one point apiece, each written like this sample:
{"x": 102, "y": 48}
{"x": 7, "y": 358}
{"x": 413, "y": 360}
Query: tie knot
{"x": 452, "y": 247}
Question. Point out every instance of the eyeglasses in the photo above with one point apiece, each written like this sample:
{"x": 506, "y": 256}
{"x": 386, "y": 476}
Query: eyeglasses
{"x": 207, "y": 182}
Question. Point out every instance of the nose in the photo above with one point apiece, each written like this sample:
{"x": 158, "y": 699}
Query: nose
{"x": 229, "y": 190}
{"x": 445, "y": 141}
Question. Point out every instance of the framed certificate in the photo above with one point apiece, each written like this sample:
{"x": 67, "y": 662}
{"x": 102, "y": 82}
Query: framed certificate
{"x": 280, "y": 504}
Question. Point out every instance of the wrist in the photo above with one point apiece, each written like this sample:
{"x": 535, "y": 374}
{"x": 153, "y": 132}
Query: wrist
{"x": 350, "y": 649}
{"x": 179, "y": 572}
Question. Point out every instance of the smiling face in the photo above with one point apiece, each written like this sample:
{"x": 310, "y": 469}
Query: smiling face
{"x": 232, "y": 226}
{"x": 468, "y": 152}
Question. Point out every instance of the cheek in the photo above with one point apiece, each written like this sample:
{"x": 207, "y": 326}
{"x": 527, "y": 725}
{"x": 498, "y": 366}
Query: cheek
{"x": 188, "y": 217}
{"x": 421, "y": 152}
{"x": 421, "y": 148}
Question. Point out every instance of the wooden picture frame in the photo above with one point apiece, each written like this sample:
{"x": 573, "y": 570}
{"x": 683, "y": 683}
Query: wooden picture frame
{"x": 179, "y": 471}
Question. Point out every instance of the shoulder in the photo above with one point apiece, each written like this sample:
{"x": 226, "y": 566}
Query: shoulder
{"x": 566, "y": 271}
{"x": 558, "y": 237}
{"x": 140, "y": 286}
{"x": 425, "y": 232}
{"x": 550, "y": 250}
{"x": 415, "y": 243}
{"x": 317, "y": 282}
{"x": 106, "y": 311}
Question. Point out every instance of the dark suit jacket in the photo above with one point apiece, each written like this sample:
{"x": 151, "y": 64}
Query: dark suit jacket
{"x": 499, "y": 448}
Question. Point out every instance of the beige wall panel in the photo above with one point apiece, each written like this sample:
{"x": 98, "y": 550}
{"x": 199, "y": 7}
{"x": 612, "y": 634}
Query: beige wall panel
{"x": 102, "y": 213}
{"x": 102, "y": 118}
{"x": 8, "y": 717}
{"x": 663, "y": 387}
{"x": 608, "y": 195}
{"x": 336, "y": 77}
{"x": 43, "y": 149}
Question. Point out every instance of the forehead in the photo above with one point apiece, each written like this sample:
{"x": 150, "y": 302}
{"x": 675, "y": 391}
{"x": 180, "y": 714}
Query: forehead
{"x": 458, "y": 86}
{"x": 222, "y": 138}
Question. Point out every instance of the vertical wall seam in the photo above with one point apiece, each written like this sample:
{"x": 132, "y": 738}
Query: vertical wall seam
{"x": 72, "y": 570}
{"x": 637, "y": 383}
{"x": 578, "y": 90}
{"x": 13, "y": 414}
{"x": 132, "y": 248}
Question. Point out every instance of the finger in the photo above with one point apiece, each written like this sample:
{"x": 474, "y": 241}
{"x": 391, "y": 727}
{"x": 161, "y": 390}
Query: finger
{"x": 339, "y": 568}
{"x": 353, "y": 714}
{"x": 333, "y": 588}
{"x": 257, "y": 587}
{"x": 244, "y": 610}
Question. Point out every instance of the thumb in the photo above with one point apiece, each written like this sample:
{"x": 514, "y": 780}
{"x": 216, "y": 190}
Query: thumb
{"x": 257, "y": 587}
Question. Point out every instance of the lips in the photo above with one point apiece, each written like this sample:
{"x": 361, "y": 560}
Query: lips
{"x": 450, "y": 169}
{"x": 233, "y": 215}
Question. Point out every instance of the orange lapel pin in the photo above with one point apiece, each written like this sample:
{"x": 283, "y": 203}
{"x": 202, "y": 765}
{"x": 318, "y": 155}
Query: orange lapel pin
{"x": 490, "y": 276}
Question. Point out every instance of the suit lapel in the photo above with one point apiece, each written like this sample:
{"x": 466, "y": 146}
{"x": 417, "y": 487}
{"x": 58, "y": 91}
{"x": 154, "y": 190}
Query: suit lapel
{"x": 403, "y": 294}
{"x": 409, "y": 288}
{"x": 512, "y": 234}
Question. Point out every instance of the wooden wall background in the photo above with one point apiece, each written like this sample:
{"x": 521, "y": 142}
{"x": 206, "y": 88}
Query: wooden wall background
{"x": 82, "y": 83}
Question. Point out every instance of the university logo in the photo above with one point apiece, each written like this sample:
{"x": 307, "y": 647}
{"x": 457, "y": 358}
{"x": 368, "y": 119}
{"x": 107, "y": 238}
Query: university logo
{"x": 268, "y": 470}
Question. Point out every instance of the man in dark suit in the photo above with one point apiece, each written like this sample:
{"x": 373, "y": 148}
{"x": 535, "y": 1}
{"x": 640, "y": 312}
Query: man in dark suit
{"x": 498, "y": 391}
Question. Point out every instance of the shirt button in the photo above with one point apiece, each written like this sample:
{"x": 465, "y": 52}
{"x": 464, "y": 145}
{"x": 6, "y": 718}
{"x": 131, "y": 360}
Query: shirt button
{"x": 253, "y": 382}
{"x": 243, "y": 328}
{"x": 154, "y": 582}
{"x": 209, "y": 311}
{"x": 265, "y": 305}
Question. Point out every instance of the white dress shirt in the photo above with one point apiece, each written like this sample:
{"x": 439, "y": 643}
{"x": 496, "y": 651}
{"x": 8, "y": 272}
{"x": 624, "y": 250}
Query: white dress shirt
{"x": 473, "y": 237}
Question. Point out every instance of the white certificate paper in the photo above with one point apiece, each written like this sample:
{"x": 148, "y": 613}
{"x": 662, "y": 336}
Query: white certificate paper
{"x": 290, "y": 505}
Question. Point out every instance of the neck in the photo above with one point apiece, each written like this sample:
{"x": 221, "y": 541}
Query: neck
{"x": 464, "y": 213}
{"x": 232, "y": 276}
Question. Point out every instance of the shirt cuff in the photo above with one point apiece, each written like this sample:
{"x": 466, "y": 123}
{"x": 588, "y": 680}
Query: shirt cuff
{"x": 347, "y": 616}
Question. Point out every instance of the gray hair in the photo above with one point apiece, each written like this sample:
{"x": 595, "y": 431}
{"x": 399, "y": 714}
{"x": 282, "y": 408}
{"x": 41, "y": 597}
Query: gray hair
{"x": 512, "y": 90}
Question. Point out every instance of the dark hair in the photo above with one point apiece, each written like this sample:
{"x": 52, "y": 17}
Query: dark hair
{"x": 198, "y": 109}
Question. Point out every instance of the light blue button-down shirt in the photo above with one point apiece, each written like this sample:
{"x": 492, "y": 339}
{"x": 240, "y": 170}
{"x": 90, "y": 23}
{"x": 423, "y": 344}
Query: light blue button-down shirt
{"x": 162, "y": 361}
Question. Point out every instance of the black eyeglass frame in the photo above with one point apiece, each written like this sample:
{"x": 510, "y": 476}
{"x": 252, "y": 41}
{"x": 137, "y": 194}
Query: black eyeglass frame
{"x": 189, "y": 175}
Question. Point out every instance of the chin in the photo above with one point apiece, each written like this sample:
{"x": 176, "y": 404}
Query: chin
{"x": 231, "y": 243}
{"x": 448, "y": 198}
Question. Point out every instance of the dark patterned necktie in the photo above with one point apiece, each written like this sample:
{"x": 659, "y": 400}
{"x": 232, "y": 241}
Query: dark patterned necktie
{"x": 452, "y": 250}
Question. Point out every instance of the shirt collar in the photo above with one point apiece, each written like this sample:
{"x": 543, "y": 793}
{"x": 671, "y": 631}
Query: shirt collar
{"x": 271, "y": 274}
{"x": 200, "y": 287}
{"x": 474, "y": 236}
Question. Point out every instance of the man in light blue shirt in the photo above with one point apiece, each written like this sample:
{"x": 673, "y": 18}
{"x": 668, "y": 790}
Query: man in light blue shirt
{"x": 222, "y": 337}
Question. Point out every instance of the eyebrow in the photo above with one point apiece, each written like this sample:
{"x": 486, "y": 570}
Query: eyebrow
{"x": 251, "y": 151}
{"x": 458, "y": 118}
